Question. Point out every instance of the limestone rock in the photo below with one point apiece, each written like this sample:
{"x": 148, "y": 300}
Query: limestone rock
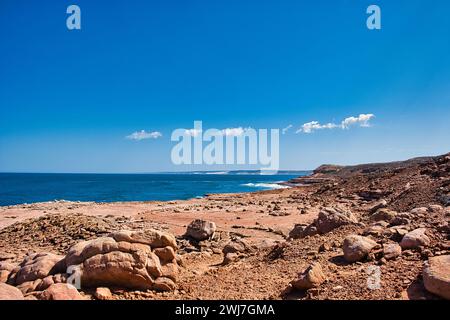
{"x": 312, "y": 277}
{"x": 415, "y": 239}
{"x": 357, "y": 248}
{"x": 201, "y": 229}
{"x": 436, "y": 276}
{"x": 8, "y": 292}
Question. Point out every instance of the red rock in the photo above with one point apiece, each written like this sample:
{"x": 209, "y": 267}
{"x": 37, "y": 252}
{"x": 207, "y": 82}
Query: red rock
{"x": 61, "y": 291}
{"x": 357, "y": 248}
{"x": 312, "y": 277}
{"x": 103, "y": 293}
{"x": 8, "y": 292}
{"x": 414, "y": 239}
{"x": 436, "y": 276}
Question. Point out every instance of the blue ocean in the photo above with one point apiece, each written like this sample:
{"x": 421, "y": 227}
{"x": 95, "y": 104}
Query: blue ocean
{"x": 19, "y": 188}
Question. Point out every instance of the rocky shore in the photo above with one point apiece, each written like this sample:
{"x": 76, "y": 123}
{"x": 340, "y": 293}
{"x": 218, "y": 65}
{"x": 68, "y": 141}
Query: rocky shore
{"x": 376, "y": 231}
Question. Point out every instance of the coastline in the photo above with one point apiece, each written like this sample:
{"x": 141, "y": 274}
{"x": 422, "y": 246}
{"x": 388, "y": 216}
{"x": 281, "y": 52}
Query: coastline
{"x": 278, "y": 227}
{"x": 17, "y": 189}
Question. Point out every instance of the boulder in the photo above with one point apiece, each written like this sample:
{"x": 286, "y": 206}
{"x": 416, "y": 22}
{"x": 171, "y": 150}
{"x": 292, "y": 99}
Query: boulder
{"x": 201, "y": 229}
{"x": 165, "y": 254}
{"x": 383, "y": 215}
{"x": 331, "y": 218}
{"x": 236, "y": 246}
{"x": 60, "y": 291}
{"x": 312, "y": 277}
{"x": 164, "y": 284}
{"x": 8, "y": 292}
{"x": 6, "y": 269}
{"x": 297, "y": 232}
{"x": 41, "y": 284}
{"x": 414, "y": 239}
{"x": 103, "y": 293}
{"x": 357, "y": 248}
{"x": 402, "y": 219}
{"x": 391, "y": 251}
{"x": 38, "y": 266}
{"x": 126, "y": 259}
{"x": 230, "y": 257}
{"x": 436, "y": 276}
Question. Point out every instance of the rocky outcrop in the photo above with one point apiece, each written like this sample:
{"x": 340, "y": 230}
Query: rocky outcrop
{"x": 436, "y": 276}
{"x": 414, "y": 239}
{"x": 328, "y": 220}
{"x": 312, "y": 277}
{"x": 8, "y": 292}
{"x": 126, "y": 259}
{"x": 38, "y": 266}
{"x": 201, "y": 229}
{"x": 357, "y": 248}
{"x": 41, "y": 284}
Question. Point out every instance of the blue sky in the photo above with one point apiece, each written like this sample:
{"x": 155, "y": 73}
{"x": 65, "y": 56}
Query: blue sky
{"x": 68, "y": 98}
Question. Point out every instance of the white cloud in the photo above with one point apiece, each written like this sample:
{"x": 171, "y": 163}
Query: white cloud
{"x": 192, "y": 132}
{"x": 362, "y": 120}
{"x": 233, "y": 132}
{"x": 142, "y": 135}
{"x": 285, "y": 130}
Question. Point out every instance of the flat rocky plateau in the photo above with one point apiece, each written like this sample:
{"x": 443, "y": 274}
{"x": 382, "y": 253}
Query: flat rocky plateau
{"x": 376, "y": 231}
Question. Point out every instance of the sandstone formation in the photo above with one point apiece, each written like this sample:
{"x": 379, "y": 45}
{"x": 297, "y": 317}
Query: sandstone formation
{"x": 126, "y": 259}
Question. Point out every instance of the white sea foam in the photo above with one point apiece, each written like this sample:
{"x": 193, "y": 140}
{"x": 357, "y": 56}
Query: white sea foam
{"x": 265, "y": 185}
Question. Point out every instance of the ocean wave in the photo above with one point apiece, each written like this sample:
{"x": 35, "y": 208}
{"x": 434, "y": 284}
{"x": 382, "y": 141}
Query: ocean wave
{"x": 265, "y": 185}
